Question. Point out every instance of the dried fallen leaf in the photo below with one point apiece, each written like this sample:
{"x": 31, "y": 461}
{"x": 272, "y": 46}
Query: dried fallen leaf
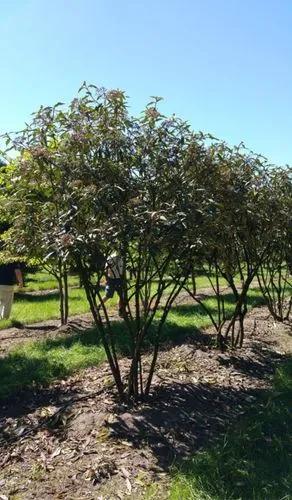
{"x": 125, "y": 472}
{"x": 5, "y": 459}
{"x": 86, "y": 442}
{"x": 56, "y": 453}
{"x": 19, "y": 431}
{"x": 129, "y": 486}
{"x": 111, "y": 418}
{"x": 126, "y": 443}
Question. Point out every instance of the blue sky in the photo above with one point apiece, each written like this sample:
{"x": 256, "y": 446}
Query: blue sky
{"x": 224, "y": 65}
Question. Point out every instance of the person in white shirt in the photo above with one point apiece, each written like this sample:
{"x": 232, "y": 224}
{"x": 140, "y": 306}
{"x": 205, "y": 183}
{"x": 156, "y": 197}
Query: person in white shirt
{"x": 9, "y": 274}
{"x": 114, "y": 270}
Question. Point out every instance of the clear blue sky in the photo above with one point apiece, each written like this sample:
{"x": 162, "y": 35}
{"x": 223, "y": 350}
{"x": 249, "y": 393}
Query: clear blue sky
{"x": 224, "y": 65}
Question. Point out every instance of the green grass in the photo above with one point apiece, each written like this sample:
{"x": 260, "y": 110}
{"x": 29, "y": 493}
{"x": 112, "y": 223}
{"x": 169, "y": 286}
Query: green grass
{"x": 39, "y": 363}
{"x": 203, "y": 281}
{"x": 42, "y": 280}
{"x": 253, "y": 461}
{"x": 32, "y": 309}
{"x": 28, "y": 309}
{"x": 193, "y": 315}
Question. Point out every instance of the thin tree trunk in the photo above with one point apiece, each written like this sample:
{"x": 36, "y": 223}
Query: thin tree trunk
{"x": 167, "y": 307}
{"x": 61, "y": 291}
{"x": 98, "y": 321}
{"x": 66, "y": 295}
{"x": 61, "y": 304}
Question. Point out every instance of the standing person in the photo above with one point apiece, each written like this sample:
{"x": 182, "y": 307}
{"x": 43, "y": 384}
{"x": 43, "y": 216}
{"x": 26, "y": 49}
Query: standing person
{"x": 9, "y": 275}
{"x": 114, "y": 270}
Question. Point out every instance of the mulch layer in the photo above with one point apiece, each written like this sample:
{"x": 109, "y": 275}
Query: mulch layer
{"x": 73, "y": 440}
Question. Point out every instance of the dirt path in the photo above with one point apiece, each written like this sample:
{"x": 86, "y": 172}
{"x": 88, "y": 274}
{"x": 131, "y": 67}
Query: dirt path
{"x": 74, "y": 441}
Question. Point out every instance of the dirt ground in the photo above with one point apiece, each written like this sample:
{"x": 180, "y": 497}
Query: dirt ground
{"x": 73, "y": 440}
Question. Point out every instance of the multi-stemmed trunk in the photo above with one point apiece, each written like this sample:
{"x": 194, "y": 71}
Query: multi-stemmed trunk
{"x": 139, "y": 320}
{"x": 275, "y": 284}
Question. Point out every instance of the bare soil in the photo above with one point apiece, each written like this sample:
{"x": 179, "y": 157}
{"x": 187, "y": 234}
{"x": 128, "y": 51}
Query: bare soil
{"x": 73, "y": 440}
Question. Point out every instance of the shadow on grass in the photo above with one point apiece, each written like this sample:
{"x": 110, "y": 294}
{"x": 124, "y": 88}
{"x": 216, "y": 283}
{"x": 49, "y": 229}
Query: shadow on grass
{"x": 18, "y": 371}
{"x": 172, "y": 334}
{"x": 253, "y": 300}
{"x": 253, "y": 460}
{"x": 39, "y": 363}
{"x": 41, "y": 297}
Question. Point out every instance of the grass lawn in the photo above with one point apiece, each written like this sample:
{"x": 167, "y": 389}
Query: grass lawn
{"x": 193, "y": 315}
{"x": 32, "y": 309}
{"x": 251, "y": 462}
{"x": 40, "y": 362}
{"x": 42, "y": 280}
